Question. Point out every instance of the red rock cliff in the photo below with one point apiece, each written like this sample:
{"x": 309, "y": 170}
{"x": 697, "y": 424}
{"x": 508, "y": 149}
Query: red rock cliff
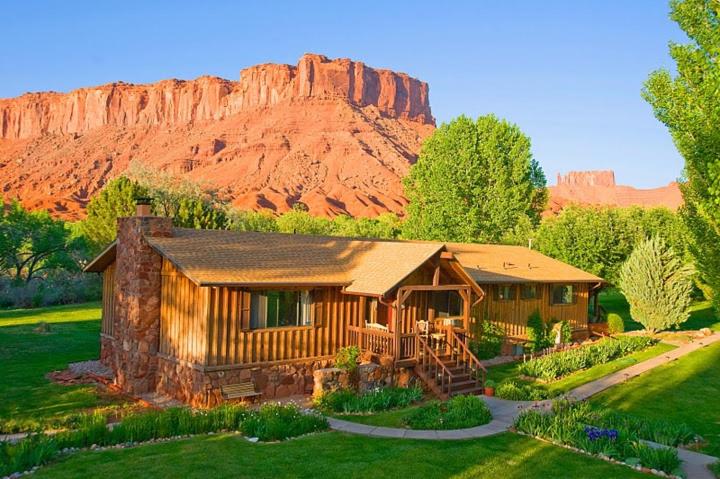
{"x": 176, "y": 102}
{"x": 336, "y": 135}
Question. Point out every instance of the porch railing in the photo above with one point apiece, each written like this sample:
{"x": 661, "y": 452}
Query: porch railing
{"x": 460, "y": 352}
{"x": 373, "y": 340}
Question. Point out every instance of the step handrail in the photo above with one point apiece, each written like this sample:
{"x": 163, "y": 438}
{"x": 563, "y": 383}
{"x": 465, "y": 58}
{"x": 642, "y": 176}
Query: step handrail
{"x": 436, "y": 362}
{"x": 469, "y": 354}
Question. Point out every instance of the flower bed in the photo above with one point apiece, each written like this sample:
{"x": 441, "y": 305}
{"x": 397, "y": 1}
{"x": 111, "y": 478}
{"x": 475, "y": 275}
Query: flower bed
{"x": 557, "y": 365}
{"x": 598, "y": 433}
{"x": 459, "y": 412}
{"x": 516, "y": 390}
{"x": 347, "y": 401}
{"x": 271, "y": 422}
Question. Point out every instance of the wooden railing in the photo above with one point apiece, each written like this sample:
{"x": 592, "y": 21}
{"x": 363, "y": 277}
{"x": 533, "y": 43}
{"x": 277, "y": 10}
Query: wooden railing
{"x": 435, "y": 371}
{"x": 374, "y": 340}
{"x": 460, "y": 352}
{"x": 408, "y": 346}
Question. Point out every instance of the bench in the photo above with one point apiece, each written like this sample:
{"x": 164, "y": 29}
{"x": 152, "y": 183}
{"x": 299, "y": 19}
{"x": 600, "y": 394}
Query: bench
{"x": 243, "y": 390}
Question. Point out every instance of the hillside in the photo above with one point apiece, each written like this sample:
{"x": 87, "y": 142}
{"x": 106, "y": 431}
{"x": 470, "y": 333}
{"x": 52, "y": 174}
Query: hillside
{"x": 336, "y": 135}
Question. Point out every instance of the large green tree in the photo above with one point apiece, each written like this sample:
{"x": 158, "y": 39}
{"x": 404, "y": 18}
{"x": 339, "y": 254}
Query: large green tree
{"x": 657, "y": 285}
{"x": 33, "y": 243}
{"x": 688, "y": 103}
{"x": 474, "y": 181}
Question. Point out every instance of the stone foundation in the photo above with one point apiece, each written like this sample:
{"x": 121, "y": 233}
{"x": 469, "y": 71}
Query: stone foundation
{"x": 107, "y": 352}
{"x": 202, "y": 388}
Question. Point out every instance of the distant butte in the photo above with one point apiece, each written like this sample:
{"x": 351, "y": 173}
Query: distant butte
{"x": 599, "y": 188}
{"x": 336, "y": 135}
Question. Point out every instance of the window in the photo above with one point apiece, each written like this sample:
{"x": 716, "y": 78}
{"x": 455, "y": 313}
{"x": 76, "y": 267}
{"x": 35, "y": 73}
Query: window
{"x": 371, "y": 312}
{"x": 505, "y": 292}
{"x": 447, "y": 303}
{"x": 563, "y": 294}
{"x": 529, "y": 291}
{"x": 277, "y": 309}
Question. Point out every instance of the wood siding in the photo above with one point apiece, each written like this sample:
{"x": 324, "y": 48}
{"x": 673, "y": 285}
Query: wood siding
{"x": 512, "y": 315}
{"x": 108, "y": 300}
{"x": 183, "y": 318}
{"x": 232, "y": 342}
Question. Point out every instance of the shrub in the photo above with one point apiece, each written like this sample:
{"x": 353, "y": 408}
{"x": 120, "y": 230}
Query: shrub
{"x": 347, "y": 358}
{"x": 59, "y": 287}
{"x": 575, "y": 424}
{"x": 657, "y": 285}
{"x": 457, "y": 413}
{"x": 489, "y": 342}
{"x": 381, "y": 399}
{"x": 538, "y": 332}
{"x": 556, "y": 365}
{"x": 715, "y": 468}
{"x": 562, "y": 330}
{"x": 615, "y": 323}
{"x": 276, "y": 422}
{"x": 515, "y": 390}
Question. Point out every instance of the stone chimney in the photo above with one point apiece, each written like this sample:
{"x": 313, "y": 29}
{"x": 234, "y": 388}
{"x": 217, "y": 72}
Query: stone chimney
{"x": 137, "y": 299}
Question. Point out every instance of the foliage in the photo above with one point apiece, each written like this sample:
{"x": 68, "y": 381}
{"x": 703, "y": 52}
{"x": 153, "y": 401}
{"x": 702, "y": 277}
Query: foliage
{"x": 657, "y": 285}
{"x": 457, "y": 413}
{"x": 489, "y": 343}
{"x": 115, "y": 200}
{"x": 384, "y": 226}
{"x": 715, "y": 468}
{"x": 347, "y": 358}
{"x": 657, "y": 430}
{"x": 538, "y": 332}
{"x": 299, "y": 221}
{"x": 58, "y": 287}
{"x": 380, "y": 399}
{"x": 515, "y": 390}
{"x": 561, "y": 330}
{"x": 556, "y": 365}
{"x": 241, "y": 220}
{"x": 33, "y": 243}
{"x": 271, "y": 422}
{"x": 689, "y": 105}
{"x": 578, "y": 425}
{"x": 615, "y": 323}
{"x": 600, "y": 239}
{"x": 474, "y": 181}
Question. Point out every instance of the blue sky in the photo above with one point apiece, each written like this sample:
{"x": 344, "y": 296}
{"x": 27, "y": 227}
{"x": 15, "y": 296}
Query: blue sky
{"x": 569, "y": 73}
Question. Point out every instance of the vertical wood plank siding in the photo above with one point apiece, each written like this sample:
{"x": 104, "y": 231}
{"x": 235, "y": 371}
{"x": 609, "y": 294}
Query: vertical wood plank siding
{"x": 512, "y": 315}
{"x": 183, "y": 324}
{"x": 108, "y": 300}
{"x": 231, "y": 341}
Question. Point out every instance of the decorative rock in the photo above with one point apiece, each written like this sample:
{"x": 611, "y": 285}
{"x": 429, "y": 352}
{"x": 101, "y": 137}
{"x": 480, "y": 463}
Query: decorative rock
{"x": 329, "y": 379}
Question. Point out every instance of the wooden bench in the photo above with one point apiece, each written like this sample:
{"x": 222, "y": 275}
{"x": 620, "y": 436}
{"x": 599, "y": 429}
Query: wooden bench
{"x": 243, "y": 390}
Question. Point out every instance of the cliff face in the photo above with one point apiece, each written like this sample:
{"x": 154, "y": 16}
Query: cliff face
{"x": 175, "y": 102}
{"x": 599, "y": 188}
{"x": 334, "y": 134}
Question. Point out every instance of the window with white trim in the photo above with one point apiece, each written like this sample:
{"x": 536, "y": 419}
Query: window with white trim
{"x": 277, "y": 309}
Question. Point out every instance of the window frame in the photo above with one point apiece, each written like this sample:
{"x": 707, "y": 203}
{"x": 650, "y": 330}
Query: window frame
{"x": 513, "y": 288}
{"x": 573, "y": 294}
{"x": 537, "y": 289}
{"x": 303, "y": 306}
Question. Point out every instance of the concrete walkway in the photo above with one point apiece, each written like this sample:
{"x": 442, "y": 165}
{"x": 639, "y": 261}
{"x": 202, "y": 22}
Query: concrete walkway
{"x": 504, "y": 412}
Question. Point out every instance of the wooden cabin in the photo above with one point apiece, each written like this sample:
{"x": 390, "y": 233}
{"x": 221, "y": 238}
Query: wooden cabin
{"x": 188, "y": 313}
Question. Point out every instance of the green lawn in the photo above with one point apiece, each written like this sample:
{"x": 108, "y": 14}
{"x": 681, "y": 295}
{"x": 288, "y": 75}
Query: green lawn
{"x": 28, "y": 398}
{"x": 702, "y": 315}
{"x": 330, "y": 455}
{"x": 686, "y": 390}
{"x": 561, "y": 386}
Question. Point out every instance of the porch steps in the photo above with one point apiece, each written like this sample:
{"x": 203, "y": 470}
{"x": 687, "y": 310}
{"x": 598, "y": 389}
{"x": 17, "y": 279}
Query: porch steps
{"x": 460, "y": 382}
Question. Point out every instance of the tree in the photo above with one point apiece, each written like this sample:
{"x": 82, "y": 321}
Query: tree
{"x": 32, "y": 242}
{"x": 242, "y": 220}
{"x": 657, "y": 285}
{"x": 689, "y": 105}
{"x": 115, "y": 200}
{"x": 299, "y": 221}
{"x": 474, "y": 181}
{"x": 384, "y": 226}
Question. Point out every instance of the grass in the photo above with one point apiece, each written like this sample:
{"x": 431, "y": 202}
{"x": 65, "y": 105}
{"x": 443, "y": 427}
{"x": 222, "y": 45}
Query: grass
{"x": 331, "y": 455}
{"x": 563, "y": 385}
{"x": 29, "y": 399}
{"x": 686, "y": 390}
{"x": 701, "y": 316}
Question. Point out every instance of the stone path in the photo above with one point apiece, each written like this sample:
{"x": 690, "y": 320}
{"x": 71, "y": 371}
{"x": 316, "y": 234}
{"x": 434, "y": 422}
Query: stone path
{"x": 504, "y": 412}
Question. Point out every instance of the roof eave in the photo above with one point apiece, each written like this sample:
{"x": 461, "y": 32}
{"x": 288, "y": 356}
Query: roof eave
{"x": 103, "y": 260}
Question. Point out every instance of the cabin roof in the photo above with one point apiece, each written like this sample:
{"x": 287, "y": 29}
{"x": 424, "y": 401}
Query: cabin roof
{"x": 363, "y": 266}
{"x": 491, "y": 263}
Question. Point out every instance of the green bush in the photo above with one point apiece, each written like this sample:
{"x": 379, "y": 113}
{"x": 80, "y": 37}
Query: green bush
{"x": 561, "y": 328}
{"x": 615, "y": 323}
{"x": 515, "y": 390}
{"x": 556, "y": 365}
{"x": 381, "y": 399}
{"x": 576, "y": 424}
{"x": 715, "y": 468}
{"x": 347, "y": 358}
{"x": 271, "y": 422}
{"x": 538, "y": 332}
{"x": 459, "y": 412}
{"x": 489, "y": 342}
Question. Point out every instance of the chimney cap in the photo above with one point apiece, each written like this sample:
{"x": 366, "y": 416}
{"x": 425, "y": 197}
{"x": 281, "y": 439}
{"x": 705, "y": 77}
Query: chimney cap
{"x": 143, "y": 200}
